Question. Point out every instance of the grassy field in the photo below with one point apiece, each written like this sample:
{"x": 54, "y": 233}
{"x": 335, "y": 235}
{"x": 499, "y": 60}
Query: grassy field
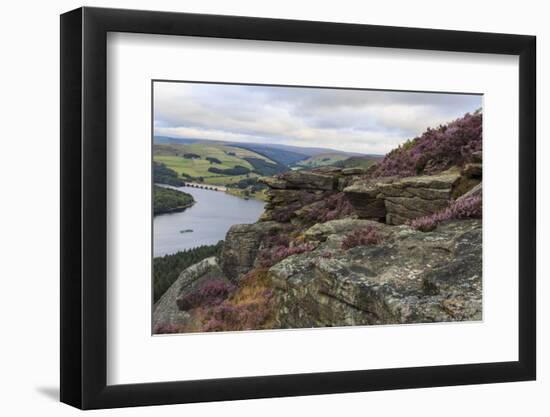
{"x": 225, "y": 180}
{"x": 229, "y": 156}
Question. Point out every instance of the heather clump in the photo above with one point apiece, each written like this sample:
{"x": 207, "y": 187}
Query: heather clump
{"x": 250, "y": 307}
{"x": 333, "y": 207}
{"x": 270, "y": 256}
{"x": 228, "y": 316}
{"x": 285, "y": 214}
{"x": 166, "y": 328}
{"x": 435, "y": 150}
{"x": 211, "y": 293}
{"x": 468, "y": 207}
{"x": 369, "y": 235}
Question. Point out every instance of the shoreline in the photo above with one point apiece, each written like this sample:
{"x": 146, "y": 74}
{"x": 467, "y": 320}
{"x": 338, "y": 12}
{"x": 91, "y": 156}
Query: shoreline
{"x": 235, "y": 192}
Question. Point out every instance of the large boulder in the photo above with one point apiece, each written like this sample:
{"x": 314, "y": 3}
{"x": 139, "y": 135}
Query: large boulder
{"x": 410, "y": 277}
{"x": 288, "y": 205}
{"x": 242, "y": 244}
{"x": 166, "y": 313}
{"x": 412, "y": 197}
{"x": 276, "y": 198}
{"x": 397, "y": 200}
{"x": 307, "y": 180}
{"x": 295, "y": 196}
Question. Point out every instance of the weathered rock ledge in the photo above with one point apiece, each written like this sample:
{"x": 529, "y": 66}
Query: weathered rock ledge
{"x": 297, "y": 195}
{"x": 412, "y": 277}
{"x": 397, "y": 200}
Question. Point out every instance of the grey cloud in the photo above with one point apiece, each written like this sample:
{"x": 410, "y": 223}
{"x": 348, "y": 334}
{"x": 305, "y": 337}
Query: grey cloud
{"x": 353, "y": 120}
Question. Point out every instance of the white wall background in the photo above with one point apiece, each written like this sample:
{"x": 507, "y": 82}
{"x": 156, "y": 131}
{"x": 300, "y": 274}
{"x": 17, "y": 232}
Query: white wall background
{"x": 29, "y": 237}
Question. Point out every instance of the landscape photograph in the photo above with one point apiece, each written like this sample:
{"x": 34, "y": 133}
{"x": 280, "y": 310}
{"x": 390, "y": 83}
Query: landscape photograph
{"x": 286, "y": 207}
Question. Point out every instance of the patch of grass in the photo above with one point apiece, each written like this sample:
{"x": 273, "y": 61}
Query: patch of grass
{"x": 236, "y": 170}
{"x": 225, "y": 180}
{"x": 250, "y": 307}
{"x": 258, "y": 195}
{"x": 191, "y": 167}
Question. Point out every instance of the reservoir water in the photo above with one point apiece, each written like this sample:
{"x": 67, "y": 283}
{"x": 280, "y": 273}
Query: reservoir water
{"x": 213, "y": 213}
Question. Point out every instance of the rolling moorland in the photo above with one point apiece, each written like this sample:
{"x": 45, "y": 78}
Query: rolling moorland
{"x": 237, "y": 166}
{"x": 399, "y": 241}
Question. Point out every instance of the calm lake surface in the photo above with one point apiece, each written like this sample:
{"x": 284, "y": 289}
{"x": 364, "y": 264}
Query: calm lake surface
{"x": 213, "y": 213}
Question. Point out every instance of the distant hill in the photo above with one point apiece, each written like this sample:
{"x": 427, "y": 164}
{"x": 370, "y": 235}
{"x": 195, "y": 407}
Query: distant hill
{"x": 322, "y": 159}
{"x": 285, "y": 154}
{"x": 282, "y": 156}
{"x": 311, "y": 151}
{"x": 365, "y": 161}
{"x": 165, "y": 140}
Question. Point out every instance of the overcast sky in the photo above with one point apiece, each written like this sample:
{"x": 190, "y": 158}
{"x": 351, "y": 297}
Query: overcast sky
{"x": 349, "y": 120}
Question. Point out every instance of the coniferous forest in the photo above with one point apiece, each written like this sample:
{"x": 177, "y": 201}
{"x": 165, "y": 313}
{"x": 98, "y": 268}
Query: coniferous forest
{"x": 166, "y": 269}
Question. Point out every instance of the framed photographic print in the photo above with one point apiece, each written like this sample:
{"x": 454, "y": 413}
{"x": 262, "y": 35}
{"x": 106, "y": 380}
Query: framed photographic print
{"x": 258, "y": 207}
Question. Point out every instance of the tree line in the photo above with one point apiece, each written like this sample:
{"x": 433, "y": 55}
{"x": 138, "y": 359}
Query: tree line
{"x": 166, "y": 200}
{"x": 166, "y": 269}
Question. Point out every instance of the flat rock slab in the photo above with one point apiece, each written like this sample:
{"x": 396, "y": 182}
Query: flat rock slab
{"x": 412, "y": 197}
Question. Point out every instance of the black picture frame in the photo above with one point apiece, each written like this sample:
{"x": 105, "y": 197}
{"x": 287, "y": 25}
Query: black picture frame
{"x": 84, "y": 207}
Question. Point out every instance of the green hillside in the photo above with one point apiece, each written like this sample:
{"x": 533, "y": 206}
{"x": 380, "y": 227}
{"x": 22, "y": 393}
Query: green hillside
{"x": 322, "y": 159}
{"x": 282, "y": 156}
{"x": 176, "y": 157}
{"x": 214, "y": 163}
{"x": 359, "y": 161}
